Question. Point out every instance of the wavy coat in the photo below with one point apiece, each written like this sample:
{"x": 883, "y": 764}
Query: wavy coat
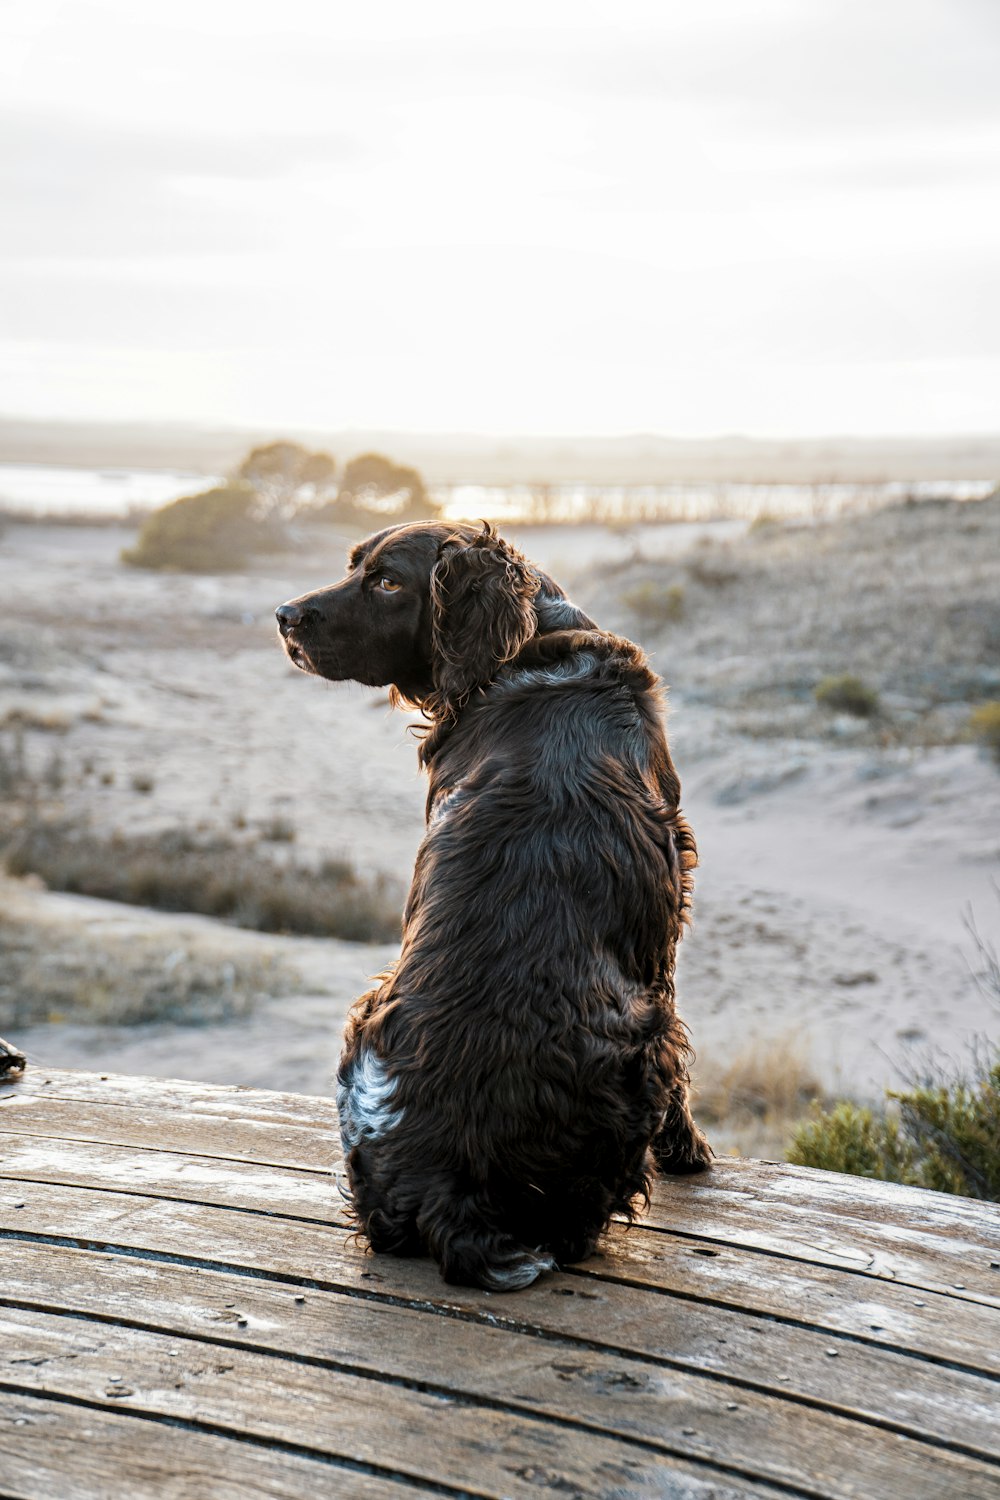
{"x": 517, "y": 1077}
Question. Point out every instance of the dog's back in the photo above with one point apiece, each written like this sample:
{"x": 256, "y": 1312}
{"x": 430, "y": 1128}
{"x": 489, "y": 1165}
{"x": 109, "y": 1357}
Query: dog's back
{"x": 527, "y": 1043}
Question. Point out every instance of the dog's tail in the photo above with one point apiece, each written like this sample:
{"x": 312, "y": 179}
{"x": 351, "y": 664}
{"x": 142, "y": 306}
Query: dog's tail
{"x": 495, "y": 1262}
{"x": 461, "y": 1233}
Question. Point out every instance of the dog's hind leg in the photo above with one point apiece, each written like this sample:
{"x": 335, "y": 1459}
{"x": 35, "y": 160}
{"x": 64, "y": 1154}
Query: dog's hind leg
{"x": 459, "y": 1229}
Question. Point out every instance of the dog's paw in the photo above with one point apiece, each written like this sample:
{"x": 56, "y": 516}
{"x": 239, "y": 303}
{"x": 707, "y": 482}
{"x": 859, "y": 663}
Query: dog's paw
{"x": 496, "y": 1262}
{"x": 571, "y": 1249}
{"x": 513, "y": 1271}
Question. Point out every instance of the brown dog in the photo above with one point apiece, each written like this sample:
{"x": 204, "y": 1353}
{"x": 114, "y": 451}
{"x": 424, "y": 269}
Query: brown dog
{"x": 508, "y": 1087}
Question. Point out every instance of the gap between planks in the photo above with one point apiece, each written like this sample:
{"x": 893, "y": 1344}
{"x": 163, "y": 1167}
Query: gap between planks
{"x": 979, "y": 1391}
{"x": 761, "y": 1443}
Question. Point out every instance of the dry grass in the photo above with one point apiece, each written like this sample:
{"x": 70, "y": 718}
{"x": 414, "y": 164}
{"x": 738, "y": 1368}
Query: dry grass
{"x": 215, "y": 875}
{"x": 752, "y": 1105}
{"x": 984, "y": 726}
{"x": 45, "y": 720}
{"x": 52, "y": 972}
{"x": 243, "y": 876}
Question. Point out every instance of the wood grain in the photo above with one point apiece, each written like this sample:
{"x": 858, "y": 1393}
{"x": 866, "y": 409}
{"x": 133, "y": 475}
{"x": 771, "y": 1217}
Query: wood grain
{"x": 932, "y": 1323}
{"x": 616, "y": 1342}
{"x": 184, "y": 1312}
{"x": 56, "y": 1450}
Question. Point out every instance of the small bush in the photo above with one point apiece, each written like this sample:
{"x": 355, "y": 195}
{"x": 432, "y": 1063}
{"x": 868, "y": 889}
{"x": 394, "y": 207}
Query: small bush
{"x": 653, "y": 605}
{"x": 278, "y": 830}
{"x": 847, "y": 695}
{"x": 217, "y": 877}
{"x": 853, "y": 1140}
{"x": 213, "y": 532}
{"x": 15, "y": 779}
{"x": 984, "y": 725}
{"x": 711, "y": 575}
{"x": 942, "y": 1135}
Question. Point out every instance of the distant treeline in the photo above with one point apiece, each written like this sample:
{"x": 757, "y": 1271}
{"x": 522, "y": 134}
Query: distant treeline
{"x": 279, "y": 486}
{"x": 275, "y": 486}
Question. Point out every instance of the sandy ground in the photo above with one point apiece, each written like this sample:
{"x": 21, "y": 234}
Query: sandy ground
{"x": 840, "y": 860}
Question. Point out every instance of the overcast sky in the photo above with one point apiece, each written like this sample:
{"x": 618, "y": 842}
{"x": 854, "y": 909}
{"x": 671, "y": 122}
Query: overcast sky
{"x": 761, "y": 216}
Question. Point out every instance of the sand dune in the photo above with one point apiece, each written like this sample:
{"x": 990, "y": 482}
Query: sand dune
{"x": 839, "y": 858}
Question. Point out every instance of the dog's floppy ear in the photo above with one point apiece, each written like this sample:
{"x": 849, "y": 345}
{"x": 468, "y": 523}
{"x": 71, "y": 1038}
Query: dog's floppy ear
{"x": 481, "y": 614}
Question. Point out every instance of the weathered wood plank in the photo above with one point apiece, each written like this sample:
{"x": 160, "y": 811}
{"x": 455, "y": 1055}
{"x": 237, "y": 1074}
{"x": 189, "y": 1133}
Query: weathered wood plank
{"x": 429, "y": 1435}
{"x": 934, "y": 1323}
{"x": 55, "y": 1450}
{"x": 960, "y": 1257}
{"x": 621, "y": 1383}
{"x": 168, "y": 1174}
{"x": 756, "y": 1185}
{"x": 262, "y": 1142}
{"x": 875, "y": 1310}
{"x": 174, "y": 1094}
{"x": 923, "y": 1239}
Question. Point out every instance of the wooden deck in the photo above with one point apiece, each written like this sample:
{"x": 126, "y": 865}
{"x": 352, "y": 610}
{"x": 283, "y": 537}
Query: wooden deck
{"x": 183, "y": 1314}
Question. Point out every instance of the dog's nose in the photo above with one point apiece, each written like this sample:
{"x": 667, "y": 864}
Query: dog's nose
{"x": 288, "y": 616}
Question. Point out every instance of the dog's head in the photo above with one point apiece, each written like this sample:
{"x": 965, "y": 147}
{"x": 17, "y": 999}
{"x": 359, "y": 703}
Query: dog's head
{"x": 432, "y": 609}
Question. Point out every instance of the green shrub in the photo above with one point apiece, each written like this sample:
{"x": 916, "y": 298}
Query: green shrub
{"x": 850, "y": 1139}
{"x": 984, "y": 725}
{"x": 653, "y": 605}
{"x": 942, "y": 1135}
{"x": 212, "y": 532}
{"x": 848, "y": 695}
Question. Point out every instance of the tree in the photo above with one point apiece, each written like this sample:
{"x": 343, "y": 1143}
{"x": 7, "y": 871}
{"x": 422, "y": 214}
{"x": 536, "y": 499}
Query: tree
{"x": 286, "y": 477}
{"x": 373, "y": 488}
{"x": 216, "y": 531}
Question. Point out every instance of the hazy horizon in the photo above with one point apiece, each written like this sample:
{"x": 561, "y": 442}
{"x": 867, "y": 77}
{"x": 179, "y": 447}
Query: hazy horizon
{"x": 514, "y": 459}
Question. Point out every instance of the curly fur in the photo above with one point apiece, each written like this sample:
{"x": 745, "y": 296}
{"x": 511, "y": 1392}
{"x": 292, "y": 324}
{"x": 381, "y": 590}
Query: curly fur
{"x": 509, "y": 1085}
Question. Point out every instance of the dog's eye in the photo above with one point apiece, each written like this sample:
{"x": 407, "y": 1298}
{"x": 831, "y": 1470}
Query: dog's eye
{"x": 388, "y": 586}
